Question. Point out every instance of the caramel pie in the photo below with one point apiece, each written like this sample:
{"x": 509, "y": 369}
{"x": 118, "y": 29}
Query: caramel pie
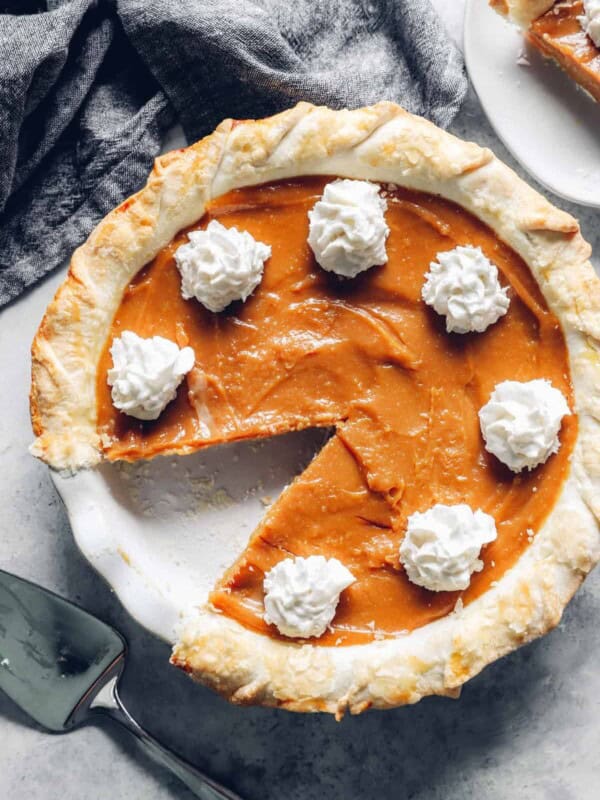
{"x": 366, "y": 357}
{"x": 554, "y": 27}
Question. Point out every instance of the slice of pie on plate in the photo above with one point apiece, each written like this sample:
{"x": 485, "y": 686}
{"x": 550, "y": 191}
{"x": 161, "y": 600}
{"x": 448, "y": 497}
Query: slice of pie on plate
{"x": 566, "y": 31}
{"x": 366, "y": 272}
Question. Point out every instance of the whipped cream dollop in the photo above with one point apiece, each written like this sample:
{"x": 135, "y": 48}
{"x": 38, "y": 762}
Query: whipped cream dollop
{"x": 301, "y": 594}
{"x": 219, "y": 265}
{"x": 521, "y": 421}
{"x": 441, "y": 547}
{"x": 146, "y": 373}
{"x": 463, "y": 285}
{"x": 347, "y": 229}
{"x": 590, "y": 20}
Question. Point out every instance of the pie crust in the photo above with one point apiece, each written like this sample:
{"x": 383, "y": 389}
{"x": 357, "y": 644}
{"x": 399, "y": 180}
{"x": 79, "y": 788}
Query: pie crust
{"x": 382, "y": 143}
{"x": 523, "y": 12}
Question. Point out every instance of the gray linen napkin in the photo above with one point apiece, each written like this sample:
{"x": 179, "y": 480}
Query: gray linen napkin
{"x": 89, "y": 87}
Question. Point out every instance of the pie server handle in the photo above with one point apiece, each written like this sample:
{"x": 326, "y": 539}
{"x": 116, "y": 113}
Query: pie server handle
{"x": 109, "y": 702}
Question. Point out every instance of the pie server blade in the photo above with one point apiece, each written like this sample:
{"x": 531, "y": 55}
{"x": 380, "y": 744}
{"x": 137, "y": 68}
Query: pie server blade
{"x": 62, "y": 665}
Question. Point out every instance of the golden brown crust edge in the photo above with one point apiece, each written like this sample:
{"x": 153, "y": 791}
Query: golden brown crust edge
{"x": 522, "y": 12}
{"x": 379, "y": 143}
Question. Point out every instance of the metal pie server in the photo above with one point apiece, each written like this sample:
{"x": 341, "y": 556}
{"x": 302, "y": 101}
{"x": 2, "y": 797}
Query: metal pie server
{"x": 62, "y": 666}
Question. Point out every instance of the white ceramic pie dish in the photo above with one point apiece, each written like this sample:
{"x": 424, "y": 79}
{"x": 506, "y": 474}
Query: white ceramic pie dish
{"x": 549, "y": 125}
{"x": 162, "y": 532}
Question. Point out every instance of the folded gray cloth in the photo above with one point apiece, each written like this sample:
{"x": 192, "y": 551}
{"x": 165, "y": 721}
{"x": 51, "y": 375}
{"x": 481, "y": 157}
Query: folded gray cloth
{"x": 88, "y": 89}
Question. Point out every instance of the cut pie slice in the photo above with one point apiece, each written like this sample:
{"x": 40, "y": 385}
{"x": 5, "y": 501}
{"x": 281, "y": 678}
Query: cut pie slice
{"x": 367, "y": 357}
{"x": 554, "y": 27}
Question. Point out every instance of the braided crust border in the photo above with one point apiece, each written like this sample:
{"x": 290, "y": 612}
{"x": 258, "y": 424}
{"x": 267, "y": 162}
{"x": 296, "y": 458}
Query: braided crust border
{"x": 382, "y": 143}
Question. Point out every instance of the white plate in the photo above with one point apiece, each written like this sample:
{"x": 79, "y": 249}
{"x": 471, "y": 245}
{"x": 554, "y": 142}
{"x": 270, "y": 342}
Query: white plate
{"x": 547, "y": 123}
{"x": 162, "y": 532}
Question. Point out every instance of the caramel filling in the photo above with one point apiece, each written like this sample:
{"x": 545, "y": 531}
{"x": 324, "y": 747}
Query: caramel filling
{"x": 370, "y": 358}
{"x": 558, "y": 34}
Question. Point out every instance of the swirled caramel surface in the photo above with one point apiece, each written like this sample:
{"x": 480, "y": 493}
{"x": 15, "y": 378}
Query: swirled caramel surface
{"x": 368, "y": 358}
